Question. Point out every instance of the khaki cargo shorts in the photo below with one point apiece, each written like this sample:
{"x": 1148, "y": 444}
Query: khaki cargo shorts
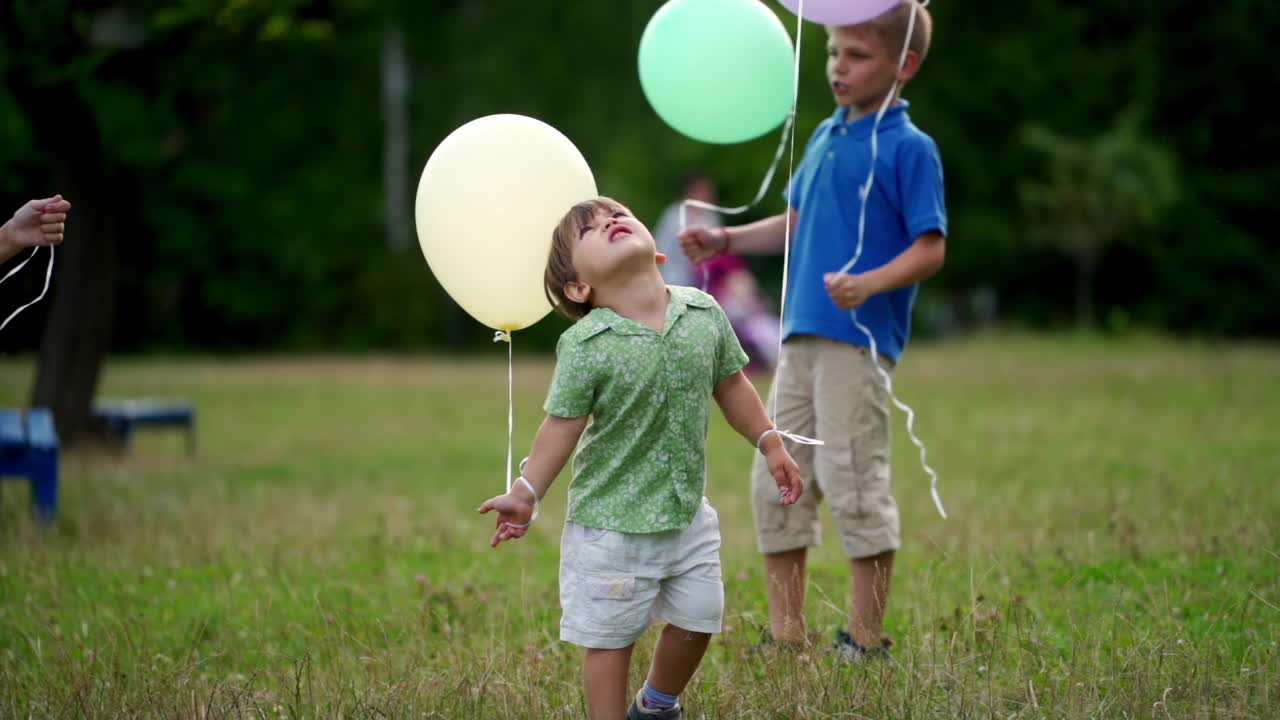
{"x": 830, "y": 391}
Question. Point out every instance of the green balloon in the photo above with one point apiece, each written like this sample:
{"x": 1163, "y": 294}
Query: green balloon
{"x": 719, "y": 71}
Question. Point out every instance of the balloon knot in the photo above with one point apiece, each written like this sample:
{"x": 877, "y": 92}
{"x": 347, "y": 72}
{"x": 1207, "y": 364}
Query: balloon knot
{"x": 502, "y": 336}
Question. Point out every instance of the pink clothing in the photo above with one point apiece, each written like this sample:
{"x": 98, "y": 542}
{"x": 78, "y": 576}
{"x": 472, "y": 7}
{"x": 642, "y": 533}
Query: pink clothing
{"x": 718, "y": 269}
{"x": 728, "y": 279}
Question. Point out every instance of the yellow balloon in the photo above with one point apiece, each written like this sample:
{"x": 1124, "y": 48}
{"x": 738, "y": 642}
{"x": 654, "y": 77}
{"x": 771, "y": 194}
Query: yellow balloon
{"x": 489, "y": 198}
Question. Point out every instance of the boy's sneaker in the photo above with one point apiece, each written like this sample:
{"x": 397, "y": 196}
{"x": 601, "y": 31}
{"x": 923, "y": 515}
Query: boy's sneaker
{"x": 767, "y": 644}
{"x": 851, "y": 651}
{"x": 637, "y": 711}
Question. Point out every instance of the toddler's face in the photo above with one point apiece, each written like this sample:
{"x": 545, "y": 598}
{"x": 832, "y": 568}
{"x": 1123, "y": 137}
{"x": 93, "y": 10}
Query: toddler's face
{"x": 612, "y": 241}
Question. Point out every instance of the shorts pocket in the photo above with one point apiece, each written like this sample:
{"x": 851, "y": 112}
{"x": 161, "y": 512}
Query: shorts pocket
{"x": 610, "y": 588}
{"x": 608, "y": 607}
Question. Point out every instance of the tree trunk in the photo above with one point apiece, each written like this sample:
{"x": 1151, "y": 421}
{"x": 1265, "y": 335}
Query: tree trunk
{"x": 395, "y": 114}
{"x": 77, "y": 333}
{"x": 1086, "y": 264}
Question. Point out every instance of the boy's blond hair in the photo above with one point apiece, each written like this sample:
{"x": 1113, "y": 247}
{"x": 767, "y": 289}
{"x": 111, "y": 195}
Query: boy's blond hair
{"x": 564, "y": 239}
{"x": 891, "y": 27}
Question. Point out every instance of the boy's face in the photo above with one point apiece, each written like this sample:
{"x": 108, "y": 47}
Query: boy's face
{"x": 860, "y": 68}
{"x": 611, "y": 243}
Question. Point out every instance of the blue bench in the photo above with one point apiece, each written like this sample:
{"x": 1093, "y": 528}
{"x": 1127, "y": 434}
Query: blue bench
{"x": 120, "y": 417}
{"x": 29, "y": 450}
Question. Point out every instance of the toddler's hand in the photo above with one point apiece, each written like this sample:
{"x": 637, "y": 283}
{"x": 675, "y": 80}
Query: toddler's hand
{"x": 785, "y": 473}
{"x": 514, "y": 509}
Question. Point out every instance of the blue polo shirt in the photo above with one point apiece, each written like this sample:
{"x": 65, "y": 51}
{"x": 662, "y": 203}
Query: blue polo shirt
{"x": 906, "y": 201}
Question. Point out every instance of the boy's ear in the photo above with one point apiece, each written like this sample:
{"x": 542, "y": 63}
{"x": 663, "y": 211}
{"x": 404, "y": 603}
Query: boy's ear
{"x": 577, "y": 292}
{"x": 660, "y": 258}
{"x": 910, "y": 67}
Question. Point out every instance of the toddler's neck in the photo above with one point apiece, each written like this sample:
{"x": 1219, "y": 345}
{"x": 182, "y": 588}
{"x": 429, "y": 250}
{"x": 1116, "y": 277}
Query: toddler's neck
{"x": 641, "y": 297}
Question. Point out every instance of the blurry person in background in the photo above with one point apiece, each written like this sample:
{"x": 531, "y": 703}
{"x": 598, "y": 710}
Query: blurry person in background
{"x": 726, "y": 277}
{"x": 678, "y": 270}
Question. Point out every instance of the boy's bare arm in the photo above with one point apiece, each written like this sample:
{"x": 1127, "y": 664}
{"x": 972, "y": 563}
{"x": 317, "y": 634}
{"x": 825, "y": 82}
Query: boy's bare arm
{"x": 742, "y": 408}
{"x": 917, "y": 263}
{"x": 763, "y": 237}
{"x": 552, "y": 446}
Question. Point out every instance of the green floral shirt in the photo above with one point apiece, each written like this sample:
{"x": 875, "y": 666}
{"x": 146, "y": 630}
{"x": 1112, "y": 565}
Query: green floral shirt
{"x": 641, "y": 463}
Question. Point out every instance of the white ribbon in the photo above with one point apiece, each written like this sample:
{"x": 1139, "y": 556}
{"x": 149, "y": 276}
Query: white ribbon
{"x": 788, "y": 128}
{"x": 786, "y": 236}
{"x": 788, "y": 435}
{"x": 505, "y": 336}
{"x": 788, "y": 139}
{"x": 864, "y": 192}
{"x": 48, "y": 274}
{"x": 536, "y": 504}
{"x": 786, "y": 215}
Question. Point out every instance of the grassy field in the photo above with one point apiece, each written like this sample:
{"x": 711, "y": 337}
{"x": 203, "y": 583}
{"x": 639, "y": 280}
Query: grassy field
{"x": 1113, "y": 549}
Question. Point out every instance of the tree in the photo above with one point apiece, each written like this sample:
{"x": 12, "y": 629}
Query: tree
{"x": 47, "y": 83}
{"x": 1096, "y": 192}
{"x": 88, "y": 84}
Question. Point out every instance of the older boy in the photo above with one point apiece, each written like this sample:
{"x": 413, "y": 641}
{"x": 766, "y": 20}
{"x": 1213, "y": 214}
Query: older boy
{"x": 825, "y": 381}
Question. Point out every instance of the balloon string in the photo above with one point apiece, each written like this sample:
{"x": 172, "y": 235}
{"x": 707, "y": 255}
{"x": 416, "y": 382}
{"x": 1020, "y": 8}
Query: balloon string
{"x": 786, "y": 214}
{"x": 786, "y": 233}
{"x": 864, "y": 192}
{"x": 788, "y": 140}
{"x": 505, "y": 336}
{"x": 788, "y": 128}
{"x": 48, "y": 274}
{"x": 21, "y": 265}
{"x": 764, "y": 184}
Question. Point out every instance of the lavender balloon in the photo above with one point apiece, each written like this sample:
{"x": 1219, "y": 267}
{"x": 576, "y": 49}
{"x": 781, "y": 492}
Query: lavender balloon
{"x": 841, "y": 12}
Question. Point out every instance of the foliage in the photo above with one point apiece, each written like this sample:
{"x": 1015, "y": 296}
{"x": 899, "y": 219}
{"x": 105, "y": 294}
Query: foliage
{"x": 1098, "y": 191}
{"x": 246, "y": 141}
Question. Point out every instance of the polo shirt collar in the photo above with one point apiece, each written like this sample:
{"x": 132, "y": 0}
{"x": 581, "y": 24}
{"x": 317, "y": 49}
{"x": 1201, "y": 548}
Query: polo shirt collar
{"x": 893, "y": 117}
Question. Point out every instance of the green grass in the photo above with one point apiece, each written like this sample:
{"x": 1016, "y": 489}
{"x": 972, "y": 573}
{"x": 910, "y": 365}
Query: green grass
{"x": 1113, "y": 548}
